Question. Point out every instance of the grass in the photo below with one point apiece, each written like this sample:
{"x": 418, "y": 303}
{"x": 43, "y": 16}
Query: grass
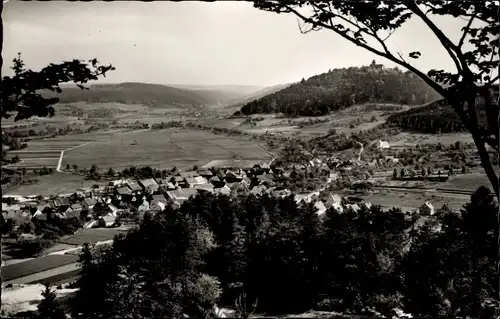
{"x": 36, "y": 265}
{"x": 411, "y": 139}
{"x": 412, "y": 201}
{"x": 91, "y": 235}
{"x": 55, "y": 184}
{"x": 470, "y": 181}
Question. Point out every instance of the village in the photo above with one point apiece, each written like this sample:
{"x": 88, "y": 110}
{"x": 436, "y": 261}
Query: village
{"x": 107, "y": 204}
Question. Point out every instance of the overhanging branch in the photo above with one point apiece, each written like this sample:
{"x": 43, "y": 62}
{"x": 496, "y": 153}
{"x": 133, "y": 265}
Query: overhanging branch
{"x": 445, "y": 42}
{"x": 438, "y": 88}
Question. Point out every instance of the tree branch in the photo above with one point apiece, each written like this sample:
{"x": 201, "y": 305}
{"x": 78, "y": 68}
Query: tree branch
{"x": 447, "y": 44}
{"x": 467, "y": 27}
{"x": 438, "y": 88}
{"x": 492, "y": 81}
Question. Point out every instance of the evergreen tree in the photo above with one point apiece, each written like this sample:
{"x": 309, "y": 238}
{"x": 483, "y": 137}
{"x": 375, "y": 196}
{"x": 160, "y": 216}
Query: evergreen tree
{"x": 49, "y": 308}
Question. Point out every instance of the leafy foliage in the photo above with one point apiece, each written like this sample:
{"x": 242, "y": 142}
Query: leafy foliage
{"x": 21, "y": 93}
{"x": 271, "y": 255}
{"x": 159, "y": 277}
{"x": 340, "y": 88}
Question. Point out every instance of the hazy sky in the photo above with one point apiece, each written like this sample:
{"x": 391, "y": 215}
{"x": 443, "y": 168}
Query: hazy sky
{"x": 194, "y": 42}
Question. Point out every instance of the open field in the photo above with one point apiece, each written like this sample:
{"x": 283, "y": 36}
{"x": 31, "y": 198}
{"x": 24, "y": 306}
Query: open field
{"x": 162, "y": 149}
{"x": 36, "y": 265}
{"x": 55, "y": 184}
{"x": 26, "y": 298}
{"x": 50, "y": 276}
{"x": 470, "y": 181}
{"x": 124, "y": 148}
{"x": 407, "y": 139}
{"x": 413, "y": 200}
{"x": 91, "y": 235}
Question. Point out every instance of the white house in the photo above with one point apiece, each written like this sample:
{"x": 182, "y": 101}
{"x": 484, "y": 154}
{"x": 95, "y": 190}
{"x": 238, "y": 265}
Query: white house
{"x": 426, "y": 209}
{"x": 383, "y": 144}
{"x": 321, "y": 208}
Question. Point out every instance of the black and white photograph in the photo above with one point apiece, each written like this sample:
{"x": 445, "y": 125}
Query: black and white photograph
{"x": 250, "y": 159}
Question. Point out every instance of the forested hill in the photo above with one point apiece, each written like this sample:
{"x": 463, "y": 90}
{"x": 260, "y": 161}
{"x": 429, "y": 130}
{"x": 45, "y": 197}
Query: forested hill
{"x": 435, "y": 117}
{"x": 134, "y": 93}
{"x": 340, "y": 88}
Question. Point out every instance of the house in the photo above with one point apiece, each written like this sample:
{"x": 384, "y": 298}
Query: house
{"x": 382, "y": 145}
{"x": 181, "y": 195}
{"x": 157, "y": 205}
{"x": 189, "y": 182}
{"x": 119, "y": 182}
{"x": 190, "y": 174}
{"x": 205, "y": 188}
{"x": 320, "y": 207}
{"x": 206, "y": 173}
{"x": 159, "y": 198}
{"x": 39, "y": 215}
{"x": 354, "y": 207}
{"x": 123, "y": 190}
{"x": 134, "y": 187}
{"x": 281, "y": 192}
{"x": 88, "y": 204}
{"x": 426, "y": 209}
{"x": 216, "y": 181}
{"x": 366, "y": 205}
{"x": 149, "y": 185}
{"x": 225, "y": 190}
{"x": 76, "y": 207}
{"x": 63, "y": 208}
{"x": 246, "y": 181}
{"x": 106, "y": 221}
{"x": 177, "y": 179}
{"x": 162, "y": 181}
{"x": 233, "y": 177}
{"x": 258, "y": 190}
{"x": 144, "y": 206}
{"x": 391, "y": 159}
{"x": 337, "y": 206}
{"x": 200, "y": 180}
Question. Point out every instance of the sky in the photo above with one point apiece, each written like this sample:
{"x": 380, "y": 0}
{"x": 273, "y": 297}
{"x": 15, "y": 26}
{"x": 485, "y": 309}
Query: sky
{"x": 197, "y": 43}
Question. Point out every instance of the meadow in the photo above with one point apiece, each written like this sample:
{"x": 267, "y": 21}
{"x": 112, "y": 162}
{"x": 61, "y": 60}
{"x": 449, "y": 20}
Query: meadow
{"x": 162, "y": 149}
{"x": 91, "y": 236}
{"x": 409, "y": 201}
{"x": 54, "y": 184}
{"x": 36, "y": 265}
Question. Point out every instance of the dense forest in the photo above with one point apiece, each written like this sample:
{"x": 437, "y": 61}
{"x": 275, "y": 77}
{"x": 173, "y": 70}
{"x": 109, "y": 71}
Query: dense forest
{"x": 154, "y": 95}
{"x": 340, "y": 88}
{"x": 269, "y": 255}
{"x": 435, "y": 117}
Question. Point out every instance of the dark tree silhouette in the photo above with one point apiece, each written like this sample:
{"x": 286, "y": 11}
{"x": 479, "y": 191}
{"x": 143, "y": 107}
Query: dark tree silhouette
{"x": 49, "y": 308}
{"x": 476, "y": 73}
{"x": 22, "y": 93}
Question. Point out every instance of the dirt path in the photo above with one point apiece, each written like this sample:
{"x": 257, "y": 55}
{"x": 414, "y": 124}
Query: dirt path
{"x": 62, "y": 155}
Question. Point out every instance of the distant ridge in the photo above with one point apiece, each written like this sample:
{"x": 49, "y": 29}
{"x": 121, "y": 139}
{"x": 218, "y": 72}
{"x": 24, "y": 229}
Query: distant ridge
{"x": 155, "y": 95}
